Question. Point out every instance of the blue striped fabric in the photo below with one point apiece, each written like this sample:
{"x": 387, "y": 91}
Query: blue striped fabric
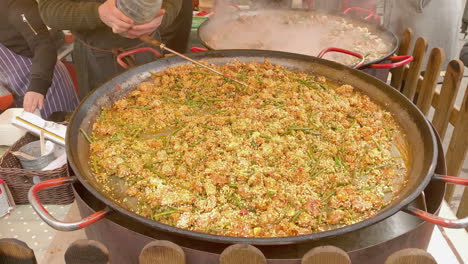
{"x": 15, "y": 75}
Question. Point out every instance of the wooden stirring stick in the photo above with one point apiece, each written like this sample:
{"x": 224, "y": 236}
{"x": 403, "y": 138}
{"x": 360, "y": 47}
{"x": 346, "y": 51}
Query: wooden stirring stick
{"x": 42, "y": 142}
{"x": 151, "y": 41}
{"x": 22, "y": 154}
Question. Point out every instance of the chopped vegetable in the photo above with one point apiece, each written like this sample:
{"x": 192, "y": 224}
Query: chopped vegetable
{"x": 85, "y": 135}
{"x": 270, "y": 160}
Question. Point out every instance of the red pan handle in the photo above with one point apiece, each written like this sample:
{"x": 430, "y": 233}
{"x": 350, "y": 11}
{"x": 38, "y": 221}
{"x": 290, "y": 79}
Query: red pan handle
{"x": 352, "y": 53}
{"x": 440, "y": 221}
{"x": 134, "y": 51}
{"x": 370, "y": 12}
{"x": 449, "y": 223}
{"x": 201, "y": 13}
{"x": 204, "y": 14}
{"x": 198, "y": 49}
{"x": 52, "y": 221}
{"x": 400, "y": 61}
{"x": 450, "y": 179}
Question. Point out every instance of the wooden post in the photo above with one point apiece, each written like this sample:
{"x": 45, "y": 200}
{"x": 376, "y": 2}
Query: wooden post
{"x": 463, "y": 207}
{"x": 403, "y": 49}
{"x": 414, "y": 72}
{"x": 429, "y": 82}
{"x": 162, "y": 252}
{"x": 448, "y": 94}
{"x": 411, "y": 256}
{"x": 86, "y": 251}
{"x": 456, "y": 154}
{"x": 326, "y": 255}
{"x": 13, "y": 251}
{"x": 242, "y": 254}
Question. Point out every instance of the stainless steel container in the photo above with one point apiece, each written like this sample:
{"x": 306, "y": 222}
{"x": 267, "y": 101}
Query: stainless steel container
{"x": 6, "y": 199}
{"x": 141, "y": 11}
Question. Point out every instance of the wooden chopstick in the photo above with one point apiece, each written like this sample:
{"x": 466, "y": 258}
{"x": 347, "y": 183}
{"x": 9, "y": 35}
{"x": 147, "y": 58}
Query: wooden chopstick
{"x": 40, "y": 128}
{"x": 42, "y": 141}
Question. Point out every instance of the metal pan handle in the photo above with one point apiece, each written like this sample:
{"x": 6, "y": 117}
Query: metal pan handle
{"x": 52, "y": 221}
{"x": 449, "y": 223}
{"x": 400, "y": 61}
{"x": 348, "y": 52}
{"x": 450, "y": 179}
{"x": 370, "y": 12}
{"x": 131, "y": 52}
{"x": 440, "y": 221}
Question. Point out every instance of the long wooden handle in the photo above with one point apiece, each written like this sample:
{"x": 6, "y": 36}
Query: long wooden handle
{"x": 151, "y": 41}
{"x": 24, "y": 155}
{"x": 42, "y": 143}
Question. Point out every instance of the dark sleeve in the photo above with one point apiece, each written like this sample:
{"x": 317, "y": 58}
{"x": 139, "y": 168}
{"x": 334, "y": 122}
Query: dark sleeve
{"x": 464, "y": 54}
{"x": 39, "y": 41}
{"x": 68, "y": 14}
{"x": 71, "y": 15}
{"x": 172, "y": 8}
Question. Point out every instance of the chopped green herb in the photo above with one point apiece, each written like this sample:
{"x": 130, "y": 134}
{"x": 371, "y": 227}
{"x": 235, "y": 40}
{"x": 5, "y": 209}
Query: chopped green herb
{"x": 85, "y": 135}
{"x": 114, "y": 139}
{"x": 176, "y": 130}
{"x": 296, "y": 216}
{"x": 379, "y": 147}
{"x": 197, "y": 142}
{"x": 153, "y": 170}
{"x": 316, "y": 173}
{"x": 95, "y": 164}
{"x": 308, "y": 129}
{"x": 208, "y": 127}
{"x": 164, "y": 213}
{"x": 141, "y": 107}
{"x": 326, "y": 198}
{"x": 237, "y": 201}
{"x": 312, "y": 84}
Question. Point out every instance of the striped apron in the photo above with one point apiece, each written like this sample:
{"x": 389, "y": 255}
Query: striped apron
{"x": 15, "y": 76}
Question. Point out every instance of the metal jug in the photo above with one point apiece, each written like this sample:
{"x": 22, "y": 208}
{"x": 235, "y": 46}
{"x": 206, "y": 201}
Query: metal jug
{"x": 436, "y": 20}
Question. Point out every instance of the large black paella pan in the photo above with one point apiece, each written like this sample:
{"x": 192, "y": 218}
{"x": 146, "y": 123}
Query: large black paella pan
{"x": 422, "y": 143}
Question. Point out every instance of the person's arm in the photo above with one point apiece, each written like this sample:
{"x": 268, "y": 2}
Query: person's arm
{"x": 68, "y": 14}
{"x": 24, "y": 17}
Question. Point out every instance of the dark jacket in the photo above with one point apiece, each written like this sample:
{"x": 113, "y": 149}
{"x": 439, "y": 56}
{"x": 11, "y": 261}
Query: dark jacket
{"x": 23, "y": 32}
{"x": 93, "y": 53}
{"x": 82, "y": 18}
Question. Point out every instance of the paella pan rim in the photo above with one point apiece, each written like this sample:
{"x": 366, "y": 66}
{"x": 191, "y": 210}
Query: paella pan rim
{"x": 81, "y": 112}
{"x": 380, "y": 28}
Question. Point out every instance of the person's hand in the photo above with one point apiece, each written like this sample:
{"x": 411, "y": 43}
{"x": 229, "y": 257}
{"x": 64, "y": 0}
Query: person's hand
{"x": 113, "y": 17}
{"x": 33, "y": 100}
{"x": 138, "y": 30}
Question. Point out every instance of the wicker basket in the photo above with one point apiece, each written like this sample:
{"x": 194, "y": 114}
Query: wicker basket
{"x": 20, "y": 180}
